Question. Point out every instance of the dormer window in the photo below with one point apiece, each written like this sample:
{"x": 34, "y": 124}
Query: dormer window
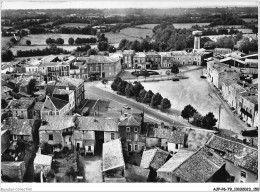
{"x": 136, "y": 129}
{"x": 128, "y": 129}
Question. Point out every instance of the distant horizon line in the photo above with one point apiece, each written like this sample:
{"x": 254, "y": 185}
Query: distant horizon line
{"x": 227, "y": 6}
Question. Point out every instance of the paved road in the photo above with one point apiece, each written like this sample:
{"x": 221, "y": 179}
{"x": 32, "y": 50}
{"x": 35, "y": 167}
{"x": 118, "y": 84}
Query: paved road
{"x": 136, "y": 105}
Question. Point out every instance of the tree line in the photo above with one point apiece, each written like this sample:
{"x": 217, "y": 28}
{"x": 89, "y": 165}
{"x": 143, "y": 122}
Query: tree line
{"x": 137, "y": 90}
{"x": 39, "y": 52}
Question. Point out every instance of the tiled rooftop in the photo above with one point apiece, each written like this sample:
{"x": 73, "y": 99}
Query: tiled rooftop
{"x": 98, "y": 124}
{"x": 55, "y": 122}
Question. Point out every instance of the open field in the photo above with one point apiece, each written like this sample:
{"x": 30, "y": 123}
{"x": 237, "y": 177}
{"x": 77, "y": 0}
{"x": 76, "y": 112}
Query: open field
{"x": 150, "y": 26}
{"x": 188, "y": 25}
{"x": 128, "y": 33}
{"x": 194, "y": 91}
{"x": 4, "y": 41}
{"x": 41, "y": 38}
{"x": 81, "y": 25}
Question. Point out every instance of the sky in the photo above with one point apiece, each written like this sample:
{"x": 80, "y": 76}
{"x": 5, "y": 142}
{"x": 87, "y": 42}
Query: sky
{"x": 62, "y": 4}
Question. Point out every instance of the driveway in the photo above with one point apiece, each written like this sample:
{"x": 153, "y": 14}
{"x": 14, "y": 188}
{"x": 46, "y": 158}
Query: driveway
{"x": 92, "y": 169}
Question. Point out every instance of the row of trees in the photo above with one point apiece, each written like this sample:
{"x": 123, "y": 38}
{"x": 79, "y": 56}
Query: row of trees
{"x": 137, "y": 90}
{"x": 39, "y": 52}
{"x": 88, "y": 30}
{"x": 58, "y": 41}
{"x": 208, "y": 121}
{"x": 7, "y": 55}
{"x": 80, "y": 41}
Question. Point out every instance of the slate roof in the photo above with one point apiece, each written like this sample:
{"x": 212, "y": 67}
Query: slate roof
{"x": 177, "y": 137}
{"x": 154, "y": 158}
{"x": 200, "y": 166}
{"x": 136, "y": 173}
{"x": 69, "y": 82}
{"x": 131, "y": 120}
{"x": 159, "y": 132}
{"x": 62, "y": 91}
{"x": 19, "y": 126}
{"x": 238, "y": 153}
{"x": 55, "y": 122}
{"x": 175, "y": 160}
{"x": 98, "y": 59}
{"x": 97, "y": 124}
{"x": 112, "y": 156}
{"x": 42, "y": 160}
{"x": 20, "y": 104}
{"x": 58, "y": 103}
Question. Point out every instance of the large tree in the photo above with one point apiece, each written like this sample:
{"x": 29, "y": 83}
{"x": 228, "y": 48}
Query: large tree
{"x": 174, "y": 69}
{"x": 188, "y": 112}
{"x": 129, "y": 90}
{"x": 71, "y": 41}
{"x": 137, "y": 88}
{"x": 121, "y": 87}
{"x": 28, "y": 42}
{"x": 209, "y": 121}
{"x": 115, "y": 83}
{"x": 156, "y": 99}
{"x": 102, "y": 46}
{"x": 92, "y": 52}
{"x": 165, "y": 104}
{"x": 7, "y": 55}
{"x": 148, "y": 97}
{"x": 142, "y": 94}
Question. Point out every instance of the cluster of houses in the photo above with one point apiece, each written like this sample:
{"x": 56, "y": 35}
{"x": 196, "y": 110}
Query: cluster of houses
{"x": 155, "y": 60}
{"x": 166, "y": 151}
{"x": 236, "y": 77}
{"x": 51, "y": 67}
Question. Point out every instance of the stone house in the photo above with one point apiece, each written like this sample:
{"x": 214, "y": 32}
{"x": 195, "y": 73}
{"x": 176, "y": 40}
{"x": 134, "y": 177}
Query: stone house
{"x": 20, "y": 129}
{"x": 139, "y": 60}
{"x": 128, "y": 58}
{"x": 55, "y": 106}
{"x": 166, "y": 171}
{"x": 154, "y": 60}
{"x": 233, "y": 94}
{"x": 76, "y": 85}
{"x": 241, "y": 160}
{"x": 248, "y": 107}
{"x": 21, "y": 108}
{"x": 176, "y": 141}
{"x": 65, "y": 95}
{"x": 129, "y": 129}
{"x": 57, "y": 131}
{"x": 203, "y": 166}
{"x": 37, "y": 110}
{"x": 92, "y": 132}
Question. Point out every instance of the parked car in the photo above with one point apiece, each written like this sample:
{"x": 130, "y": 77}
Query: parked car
{"x": 126, "y": 107}
{"x": 175, "y": 79}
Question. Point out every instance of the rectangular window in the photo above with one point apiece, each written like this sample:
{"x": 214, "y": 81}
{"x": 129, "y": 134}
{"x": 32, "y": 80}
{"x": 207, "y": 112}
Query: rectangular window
{"x": 136, "y": 147}
{"x": 243, "y": 174}
{"x": 136, "y": 129}
{"x": 50, "y": 137}
{"x": 128, "y": 136}
{"x": 178, "y": 179}
{"x": 112, "y": 136}
{"x": 14, "y": 137}
{"x": 136, "y": 137}
{"x": 89, "y": 148}
{"x": 128, "y": 129}
{"x": 21, "y": 137}
{"x": 176, "y": 146}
